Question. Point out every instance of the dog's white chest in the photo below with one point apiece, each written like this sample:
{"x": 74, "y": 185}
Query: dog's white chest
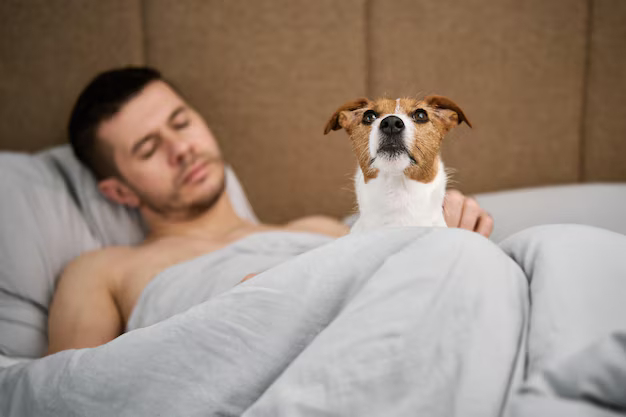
{"x": 394, "y": 200}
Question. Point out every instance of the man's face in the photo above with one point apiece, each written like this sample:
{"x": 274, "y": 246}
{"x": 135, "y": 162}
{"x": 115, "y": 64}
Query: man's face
{"x": 165, "y": 153}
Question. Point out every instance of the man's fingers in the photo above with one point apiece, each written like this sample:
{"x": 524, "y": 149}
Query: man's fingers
{"x": 485, "y": 224}
{"x": 453, "y": 208}
{"x": 465, "y": 213}
{"x": 471, "y": 212}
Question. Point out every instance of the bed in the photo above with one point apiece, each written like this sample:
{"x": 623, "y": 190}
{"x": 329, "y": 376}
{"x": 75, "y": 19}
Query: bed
{"x": 49, "y": 197}
{"x": 543, "y": 86}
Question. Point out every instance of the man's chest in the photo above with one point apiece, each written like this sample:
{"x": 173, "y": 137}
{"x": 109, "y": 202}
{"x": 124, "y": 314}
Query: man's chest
{"x": 148, "y": 263}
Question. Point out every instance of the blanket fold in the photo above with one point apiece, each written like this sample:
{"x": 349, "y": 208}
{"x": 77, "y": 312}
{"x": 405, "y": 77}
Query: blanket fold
{"x": 406, "y": 321}
{"x": 190, "y": 283}
{"x": 377, "y": 324}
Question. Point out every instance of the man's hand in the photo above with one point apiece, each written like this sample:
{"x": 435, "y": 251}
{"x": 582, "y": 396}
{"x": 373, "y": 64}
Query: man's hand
{"x": 464, "y": 212}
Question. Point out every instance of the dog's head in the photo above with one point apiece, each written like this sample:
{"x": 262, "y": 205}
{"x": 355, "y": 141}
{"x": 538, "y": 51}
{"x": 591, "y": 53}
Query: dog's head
{"x": 402, "y": 135}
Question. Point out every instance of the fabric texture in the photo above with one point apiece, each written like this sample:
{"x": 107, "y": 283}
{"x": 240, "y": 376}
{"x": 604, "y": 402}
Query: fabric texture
{"x": 599, "y": 204}
{"x": 51, "y": 212}
{"x": 543, "y": 84}
{"x": 399, "y": 322}
{"x": 41, "y": 229}
{"x": 576, "y": 360}
{"x": 352, "y": 327}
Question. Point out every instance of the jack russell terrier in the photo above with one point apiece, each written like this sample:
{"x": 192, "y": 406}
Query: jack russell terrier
{"x": 400, "y": 180}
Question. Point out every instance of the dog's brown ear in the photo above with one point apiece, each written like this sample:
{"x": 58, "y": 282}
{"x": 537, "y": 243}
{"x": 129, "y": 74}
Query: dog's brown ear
{"x": 456, "y": 115}
{"x": 341, "y": 117}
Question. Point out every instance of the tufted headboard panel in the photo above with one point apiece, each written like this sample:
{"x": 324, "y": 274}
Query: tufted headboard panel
{"x": 543, "y": 82}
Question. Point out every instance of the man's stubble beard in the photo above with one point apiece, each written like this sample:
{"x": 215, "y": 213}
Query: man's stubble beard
{"x": 169, "y": 210}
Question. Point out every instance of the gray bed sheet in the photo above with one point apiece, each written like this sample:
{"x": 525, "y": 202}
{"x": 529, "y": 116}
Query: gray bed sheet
{"x": 398, "y": 322}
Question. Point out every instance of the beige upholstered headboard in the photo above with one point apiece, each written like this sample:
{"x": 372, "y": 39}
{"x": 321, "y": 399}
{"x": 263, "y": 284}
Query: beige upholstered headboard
{"x": 543, "y": 82}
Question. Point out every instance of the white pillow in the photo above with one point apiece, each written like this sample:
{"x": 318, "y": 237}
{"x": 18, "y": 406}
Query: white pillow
{"x": 50, "y": 212}
{"x": 594, "y": 204}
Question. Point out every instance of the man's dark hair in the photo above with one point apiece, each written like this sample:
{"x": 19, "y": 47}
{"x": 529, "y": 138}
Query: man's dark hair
{"x": 100, "y": 100}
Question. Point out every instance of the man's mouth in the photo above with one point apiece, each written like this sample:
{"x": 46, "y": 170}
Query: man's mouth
{"x": 196, "y": 173}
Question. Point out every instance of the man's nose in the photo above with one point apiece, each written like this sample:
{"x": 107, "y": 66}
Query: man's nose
{"x": 181, "y": 149}
{"x": 392, "y": 125}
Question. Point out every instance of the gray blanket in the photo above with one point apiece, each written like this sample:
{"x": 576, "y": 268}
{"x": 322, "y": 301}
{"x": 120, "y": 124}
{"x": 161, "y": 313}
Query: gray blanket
{"x": 190, "y": 283}
{"x": 396, "y": 322}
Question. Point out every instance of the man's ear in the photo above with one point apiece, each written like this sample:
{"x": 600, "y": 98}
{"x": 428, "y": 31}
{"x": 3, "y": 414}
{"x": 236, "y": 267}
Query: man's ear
{"x": 451, "y": 115}
{"x": 118, "y": 192}
{"x": 343, "y": 116}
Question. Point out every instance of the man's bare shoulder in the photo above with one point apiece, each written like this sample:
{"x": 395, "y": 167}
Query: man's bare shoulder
{"x": 106, "y": 264}
{"x": 109, "y": 257}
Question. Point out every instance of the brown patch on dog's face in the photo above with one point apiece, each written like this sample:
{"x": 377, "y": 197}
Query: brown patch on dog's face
{"x": 350, "y": 116}
{"x": 441, "y": 115}
{"x": 430, "y": 119}
{"x": 343, "y": 114}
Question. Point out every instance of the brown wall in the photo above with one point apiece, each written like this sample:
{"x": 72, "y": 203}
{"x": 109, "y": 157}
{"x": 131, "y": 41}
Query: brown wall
{"x": 543, "y": 82}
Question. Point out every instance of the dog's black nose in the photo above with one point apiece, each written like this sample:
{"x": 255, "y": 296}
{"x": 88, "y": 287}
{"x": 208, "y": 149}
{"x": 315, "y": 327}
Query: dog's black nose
{"x": 392, "y": 125}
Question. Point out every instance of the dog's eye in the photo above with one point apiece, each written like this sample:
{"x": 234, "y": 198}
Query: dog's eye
{"x": 369, "y": 117}
{"x": 420, "y": 116}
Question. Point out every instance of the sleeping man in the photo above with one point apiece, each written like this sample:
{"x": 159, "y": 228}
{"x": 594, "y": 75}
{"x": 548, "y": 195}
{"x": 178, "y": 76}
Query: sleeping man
{"x": 395, "y": 322}
{"x": 149, "y": 149}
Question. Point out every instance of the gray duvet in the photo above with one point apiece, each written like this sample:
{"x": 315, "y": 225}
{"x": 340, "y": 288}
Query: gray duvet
{"x": 396, "y": 322}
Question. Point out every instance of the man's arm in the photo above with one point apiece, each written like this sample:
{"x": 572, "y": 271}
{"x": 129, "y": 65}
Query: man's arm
{"x": 83, "y": 312}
